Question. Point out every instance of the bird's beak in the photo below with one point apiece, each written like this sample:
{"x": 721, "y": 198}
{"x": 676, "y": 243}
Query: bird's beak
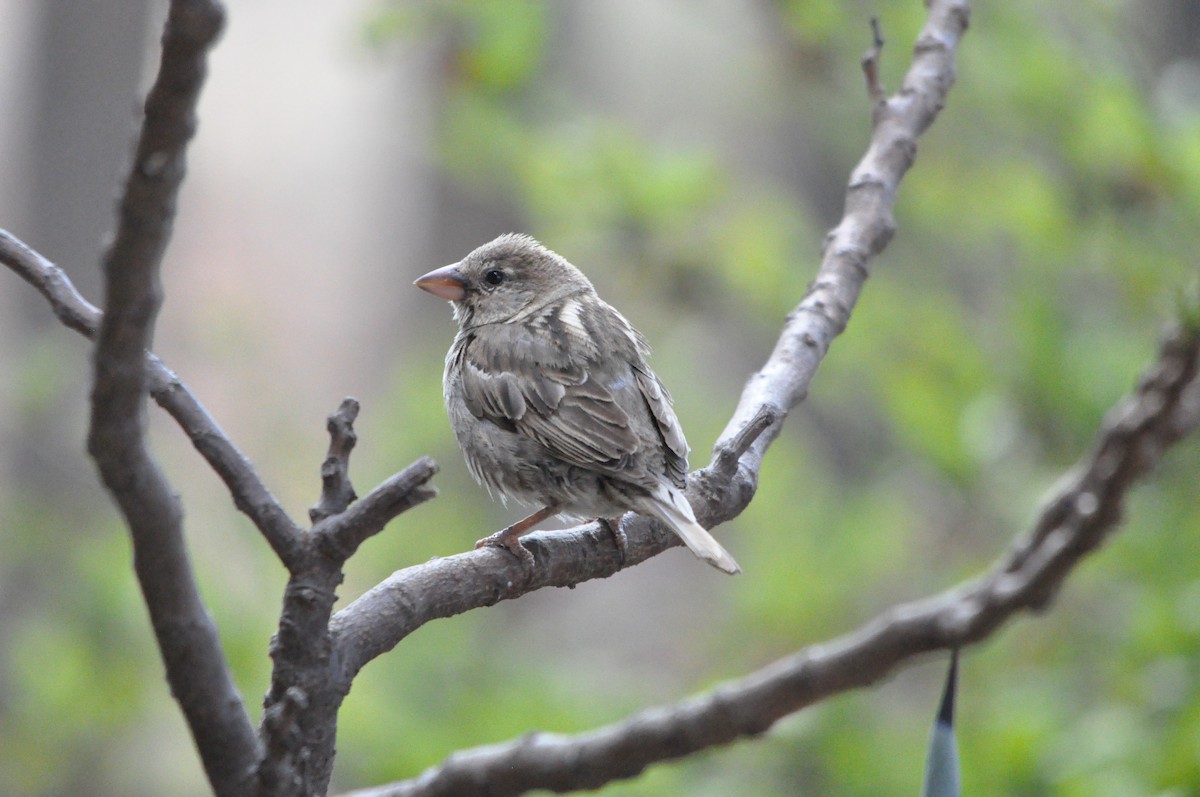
{"x": 445, "y": 283}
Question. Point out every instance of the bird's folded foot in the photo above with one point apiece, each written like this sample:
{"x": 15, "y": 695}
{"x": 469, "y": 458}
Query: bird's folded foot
{"x": 510, "y": 540}
{"x": 616, "y": 525}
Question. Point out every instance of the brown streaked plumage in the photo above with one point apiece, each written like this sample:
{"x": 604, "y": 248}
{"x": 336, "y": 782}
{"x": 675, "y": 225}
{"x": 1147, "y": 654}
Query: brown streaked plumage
{"x": 551, "y": 399}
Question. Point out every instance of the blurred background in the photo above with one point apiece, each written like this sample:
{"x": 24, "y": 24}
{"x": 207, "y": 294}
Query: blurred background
{"x": 689, "y": 156}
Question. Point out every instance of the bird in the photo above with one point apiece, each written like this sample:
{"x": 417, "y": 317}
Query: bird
{"x": 552, "y": 401}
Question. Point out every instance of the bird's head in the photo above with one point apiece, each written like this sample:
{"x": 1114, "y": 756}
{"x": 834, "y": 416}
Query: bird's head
{"x": 503, "y": 280}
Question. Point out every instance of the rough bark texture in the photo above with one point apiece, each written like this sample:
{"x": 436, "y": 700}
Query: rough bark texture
{"x": 317, "y": 654}
{"x": 186, "y": 634}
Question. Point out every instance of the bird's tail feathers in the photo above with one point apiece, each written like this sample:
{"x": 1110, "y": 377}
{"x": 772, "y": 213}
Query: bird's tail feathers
{"x": 674, "y": 510}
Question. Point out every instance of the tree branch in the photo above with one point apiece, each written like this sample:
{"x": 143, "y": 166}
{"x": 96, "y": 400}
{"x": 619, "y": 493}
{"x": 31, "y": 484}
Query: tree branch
{"x": 299, "y": 725}
{"x": 870, "y": 65}
{"x": 341, "y": 524}
{"x": 187, "y": 637}
{"x": 51, "y": 282}
{"x": 384, "y": 615}
{"x": 1080, "y": 515}
{"x": 337, "y": 492}
{"x": 249, "y": 493}
{"x": 343, "y": 533}
{"x": 303, "y": 696}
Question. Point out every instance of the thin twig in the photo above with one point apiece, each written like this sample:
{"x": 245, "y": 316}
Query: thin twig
{"x": 249, "y": 493}
{"x": 344, "y": 532}
{"x": 870, "y": 65}
{"x": 725, "y": 460}
{"x": 52, "y": 282}
{"x": 337, "y": 492}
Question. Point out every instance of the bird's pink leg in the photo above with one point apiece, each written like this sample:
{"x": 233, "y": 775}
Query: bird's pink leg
{"x": 510, "y": 538}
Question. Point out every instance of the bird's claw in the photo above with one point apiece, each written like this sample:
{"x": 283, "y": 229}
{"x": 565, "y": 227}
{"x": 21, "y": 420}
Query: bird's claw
{"x": 512, "y": 543}
{"x": 616, "y": 525}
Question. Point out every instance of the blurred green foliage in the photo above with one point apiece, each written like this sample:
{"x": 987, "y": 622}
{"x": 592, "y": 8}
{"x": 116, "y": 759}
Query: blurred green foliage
{"x": 1043, "y": 233}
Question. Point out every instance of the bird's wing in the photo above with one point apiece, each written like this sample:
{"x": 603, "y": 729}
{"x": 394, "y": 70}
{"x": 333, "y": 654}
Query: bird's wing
{"x": 548, "y": 379}
{"x": 675, "y": 447}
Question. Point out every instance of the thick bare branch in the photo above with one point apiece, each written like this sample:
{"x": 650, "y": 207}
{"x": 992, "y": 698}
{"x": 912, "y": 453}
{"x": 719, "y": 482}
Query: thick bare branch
{"x": 187, "y": 637}
{"x": 299, "y": 726}
{"x": 1075, "y": 521}
{"x": 383, "y": 616}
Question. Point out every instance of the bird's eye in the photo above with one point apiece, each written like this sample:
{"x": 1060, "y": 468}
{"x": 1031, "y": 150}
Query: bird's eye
{"x": 494, "y": 277}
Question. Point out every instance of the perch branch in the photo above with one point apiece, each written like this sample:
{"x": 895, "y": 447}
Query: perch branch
{"x": 1084, "y": 510}
{"x": 384, "y": 615}
{"x": 186, "y": 634}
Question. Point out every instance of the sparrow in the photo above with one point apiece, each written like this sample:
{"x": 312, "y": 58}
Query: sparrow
{"x": 552, "y": 402}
